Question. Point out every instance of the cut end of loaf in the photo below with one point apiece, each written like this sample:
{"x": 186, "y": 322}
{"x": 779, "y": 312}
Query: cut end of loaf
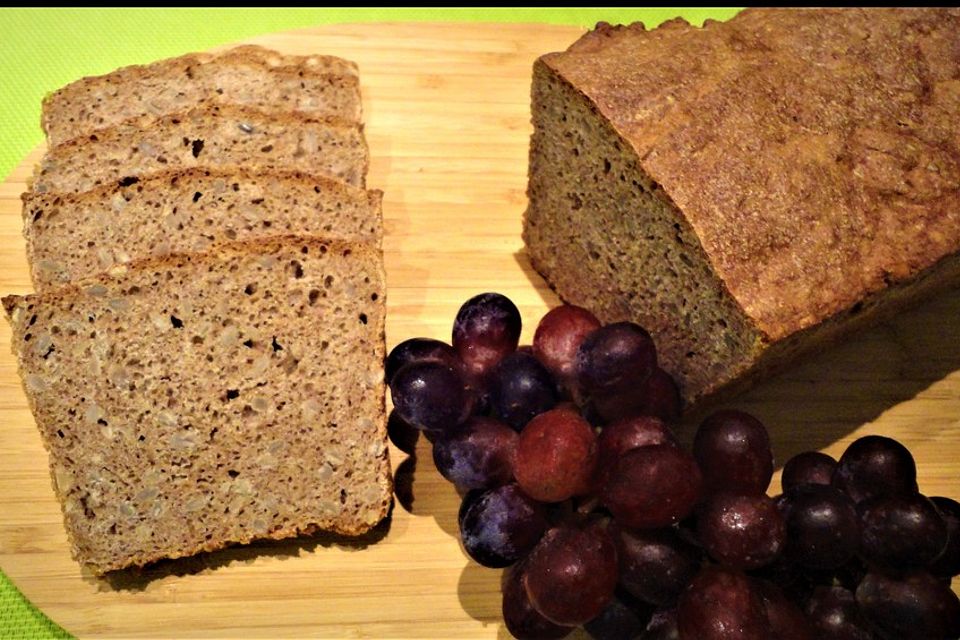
{"x": 605, "y": 236}
{"x": 269, "y": 421}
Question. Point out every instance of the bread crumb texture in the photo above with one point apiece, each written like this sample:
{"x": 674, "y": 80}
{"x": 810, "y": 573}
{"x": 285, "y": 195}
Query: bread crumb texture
{"x": 199, "y": 400}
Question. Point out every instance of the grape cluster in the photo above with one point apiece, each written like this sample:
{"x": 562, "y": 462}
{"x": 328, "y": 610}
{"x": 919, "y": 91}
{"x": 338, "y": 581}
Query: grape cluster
{"x": 573, "y": 479}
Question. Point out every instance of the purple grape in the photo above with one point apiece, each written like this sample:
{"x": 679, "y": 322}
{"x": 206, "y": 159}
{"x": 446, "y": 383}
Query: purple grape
{"x": 733, "y": 451}
{"x": 662, "y": 626}
{"x": 623, "y": 617}
{"x": 653, "y": 486}
{"x": 655, "y": 564}
{"x": 947, "y": 564}
{"x": 875, "y": 466}
{"x": 571, "y": 574}
{"x": 721, "y": 604}
{"x": 741, "y": 532}
{"x": 559, "y": 335}
{"x": 822, "y": 526}
{"x": 785, "y": 619}
{"x": 486, "y": 330}
{"x": 421, "y": 350}
{"x": 916, "y": 607}
{"x": 501, "y": 526}
{"x": 521, "y": 388}
{"x": 616, "y": 357}
{"x": 620, "y": 437}
{"x": 403, "y": 435}
{"x": 809, "y": 467}
{"x": 834, "y": 615}
{"x": 478, "y": 454}
{"x": 430, "y": 396}
{"x": 900, "y": 533}
{"x": 521, "y": 619}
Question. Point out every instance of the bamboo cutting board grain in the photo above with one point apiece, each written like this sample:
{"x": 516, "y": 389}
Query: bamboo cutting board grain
{"x": 447, "y": 112}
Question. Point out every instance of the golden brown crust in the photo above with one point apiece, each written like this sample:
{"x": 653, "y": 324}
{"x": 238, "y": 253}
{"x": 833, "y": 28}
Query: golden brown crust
{"x": 814, "y": 152}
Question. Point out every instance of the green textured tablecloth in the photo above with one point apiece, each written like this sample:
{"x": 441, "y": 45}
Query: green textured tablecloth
{"x": 43, "y": 49}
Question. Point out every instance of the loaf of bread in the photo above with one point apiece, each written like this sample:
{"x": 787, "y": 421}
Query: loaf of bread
{"x": 209, "y": 135}
{"x": 199, "y": 400}
{"x": 752, "y": 189}
{"x": 74, "y": 235}
{"x": 248, "y": 75}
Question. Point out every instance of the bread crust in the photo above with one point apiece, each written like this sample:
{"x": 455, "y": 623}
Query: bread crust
{"x": 814, "y": 152}
{"x": 95, "y": 102}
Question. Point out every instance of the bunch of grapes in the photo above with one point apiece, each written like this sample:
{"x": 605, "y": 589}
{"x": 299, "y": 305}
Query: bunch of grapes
{"x": 572, "y": 477}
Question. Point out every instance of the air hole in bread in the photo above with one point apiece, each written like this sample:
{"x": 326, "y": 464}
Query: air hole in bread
{"x": 297, "y": 269}
{"x": 363, "y": 318}
{"x": 197, "y": 195}
{"x": 312, "y": 296}
{"x": 250, "y": 289}
{"x": 276, "y": 345}
{"x": 174, "y": 320}
{"x": 233, "y": 473}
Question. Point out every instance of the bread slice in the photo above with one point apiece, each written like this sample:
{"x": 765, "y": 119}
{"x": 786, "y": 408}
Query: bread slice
{"x": 198, "y": 400}
{"x": 751, "y": 190}
{"x": 248, "y": 75}
{"x": 75, "y": 235}
{"x": 209, "y": 135}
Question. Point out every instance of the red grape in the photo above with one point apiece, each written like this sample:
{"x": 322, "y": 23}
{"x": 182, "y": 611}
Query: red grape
{"x": 733, "y": 451}
{"x": 521, "y": 388}
{"x": 620, "y": 437}
{"x": 741, "y": 532}
{"x": 616, "y": 357}
{"x": 662, "y": 396}
{"x": 947, "y": 564}
{"x": 822, "y": 527}
{"x": 556, "y": 456}
{"x": 421, "y": 350}
{"x": 521, "y": 619}
{"x": 653, "y": 486}
{"x": 663, "y": 626}
{"x": 500, "y": 526}
{"x": 658, "y": 396}
{"x": 785, "y": 619}
{"x": 900, "y": 533}
{"x": 558, "y": 337}
{"x": 875, "y": 466}
{"x": 916, "y": 607}
{"x": 623, "y": 617}
{"x": 721, "y": 604}
{"x": 486, "y": 329}
{"x": 571, "y": 574}
{"x": 809, "y": 467}
{"x": 834, "y": 614}
{"x": 655, "y": 564}
{"x": 477, "y": 454}
{"x": 430, "y": 396}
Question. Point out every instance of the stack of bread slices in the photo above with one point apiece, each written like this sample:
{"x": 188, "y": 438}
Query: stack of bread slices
{"x": 204, "y": 351}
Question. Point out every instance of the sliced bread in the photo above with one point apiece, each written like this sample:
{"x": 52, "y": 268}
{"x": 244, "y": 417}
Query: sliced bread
{"x": 210, "y": 135}
{"x": 198, "y": 400}
{"x": 74, "y": 235}
{"x": 248, "y": 75}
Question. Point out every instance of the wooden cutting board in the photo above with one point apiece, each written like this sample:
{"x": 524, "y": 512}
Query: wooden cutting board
{"x": 447, "y": 111}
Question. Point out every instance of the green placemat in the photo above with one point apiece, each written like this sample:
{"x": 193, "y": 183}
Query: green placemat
{"x": 43, "y": 49}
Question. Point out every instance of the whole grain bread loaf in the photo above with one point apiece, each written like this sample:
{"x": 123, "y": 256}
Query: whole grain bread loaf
{"x": 199, "y": 400}
{"x": 75, "y": 235}
{"x": 248, "y": 75}
{"x": 752, "y": 189}
{"x": 209, "y": 135}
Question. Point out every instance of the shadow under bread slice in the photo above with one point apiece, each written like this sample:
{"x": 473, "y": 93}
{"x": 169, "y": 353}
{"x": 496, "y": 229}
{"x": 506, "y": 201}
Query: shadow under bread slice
{"x": 247, "y": 75}
{"x": 70, "y": 236}
{"x": 209, "y": 135}
{"x": 200, "y": 400}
